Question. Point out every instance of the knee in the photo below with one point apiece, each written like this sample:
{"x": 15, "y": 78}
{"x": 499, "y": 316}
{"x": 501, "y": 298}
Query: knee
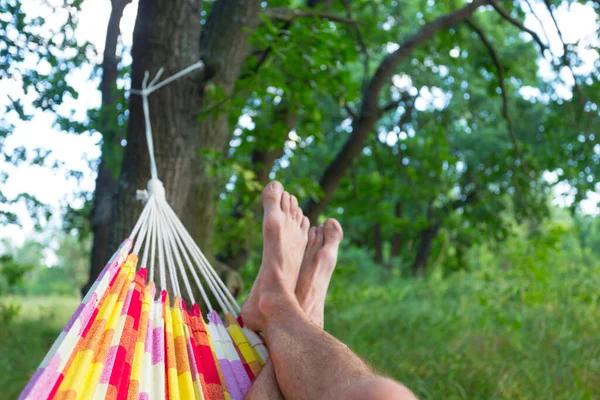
{"x": 379, "y": 389}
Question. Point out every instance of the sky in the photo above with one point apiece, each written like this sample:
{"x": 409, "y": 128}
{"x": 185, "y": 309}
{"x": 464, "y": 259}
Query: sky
{"x": 76, "y": 152}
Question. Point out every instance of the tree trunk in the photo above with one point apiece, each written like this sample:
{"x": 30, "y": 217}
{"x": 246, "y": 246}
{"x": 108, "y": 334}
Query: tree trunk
{"x": 101, "y": 214}
{"x": 397, "y": 237}
{"x": 378, "y": 243}
{"x": 427, "y": 236}
{"x": 168, "y": 34}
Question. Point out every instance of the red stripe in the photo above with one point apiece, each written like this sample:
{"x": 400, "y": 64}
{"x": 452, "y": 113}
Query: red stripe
{"x": 61, "y": 377}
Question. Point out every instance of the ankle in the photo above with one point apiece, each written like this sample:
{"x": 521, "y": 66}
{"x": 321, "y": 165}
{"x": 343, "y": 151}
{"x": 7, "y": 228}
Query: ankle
{"x": 274, "y": 303}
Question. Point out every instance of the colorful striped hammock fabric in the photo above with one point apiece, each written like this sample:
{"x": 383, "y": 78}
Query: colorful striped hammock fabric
{"x": 122, "y": 344}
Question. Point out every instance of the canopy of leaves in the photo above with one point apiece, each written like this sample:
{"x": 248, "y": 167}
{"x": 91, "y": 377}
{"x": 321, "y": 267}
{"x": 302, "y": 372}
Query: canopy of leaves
{"x": 461, "y": 146}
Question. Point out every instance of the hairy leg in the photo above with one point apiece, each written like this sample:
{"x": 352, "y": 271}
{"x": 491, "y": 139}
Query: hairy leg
{"x": 309, "y": 363}
{"x": 319, "y": 261}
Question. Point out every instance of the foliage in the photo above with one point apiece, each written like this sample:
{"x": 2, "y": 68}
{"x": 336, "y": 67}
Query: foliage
{"x": 13, "y": 272}
{"x": 458, "y": 153}
{"x": 446, "y": 166}
{"x": 24, "y": 270}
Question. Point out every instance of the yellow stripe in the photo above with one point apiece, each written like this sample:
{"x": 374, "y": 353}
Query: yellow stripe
{"x": 186, "y": 386}
{"x": 172, "y": 379}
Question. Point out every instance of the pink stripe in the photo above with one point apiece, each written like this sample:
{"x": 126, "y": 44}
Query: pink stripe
{"x": 158, "y": 345}
{"x": 108, "y": 363}
{"x": 127, "y": 301}
{"x": 149, "y": 334}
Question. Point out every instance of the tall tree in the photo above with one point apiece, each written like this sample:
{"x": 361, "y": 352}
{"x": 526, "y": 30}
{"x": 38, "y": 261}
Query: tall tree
{"x": 172, "y": 36}
{"x": 101, "y": 213}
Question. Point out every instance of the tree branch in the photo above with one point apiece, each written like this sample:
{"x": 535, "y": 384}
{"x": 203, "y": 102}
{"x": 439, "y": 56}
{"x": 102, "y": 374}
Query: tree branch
{"x": 370, "y": 110}
{"x": 350, "y": 111}
{"x": 504, "y": 14}
{"x": 289, "y": 14}
{"x": 496, "y": 61}
{"x": 392, "y": 105}
{"x": 470, "y": 198}
{"x": 539, "y": 20}
{"x": 388, "y": 66}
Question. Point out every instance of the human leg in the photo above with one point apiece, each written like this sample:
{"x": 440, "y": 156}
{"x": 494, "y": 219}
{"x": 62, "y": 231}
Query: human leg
{"x": 308, "y": 362}
{"x": 318, "y": 263}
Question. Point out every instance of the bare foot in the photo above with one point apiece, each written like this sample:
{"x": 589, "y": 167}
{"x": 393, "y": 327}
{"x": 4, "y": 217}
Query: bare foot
{"x": 285, "y": 233}
{"x": 318, "y": 264}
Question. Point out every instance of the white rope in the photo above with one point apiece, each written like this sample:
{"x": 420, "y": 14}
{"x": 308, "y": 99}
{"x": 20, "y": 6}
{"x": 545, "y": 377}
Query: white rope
{"x": 155, "y": 86}
{"x": 153, "y": 245}
{"x": 147, "y": 241}
{"x": 205, "y": 268}
{"x": 192, "y": 248}
{"x": 149, "y": 140}
{"x": 161, "y": 258}
{"x": 139, "y": 222}
{"x": 209, "y": 273}
{"x": 184, "y": 251}
{"x": 177, "y": 253}
{"x": 147, "y": 89}
{"x": 169, "y": 254}
{"x": 143, "y": 231}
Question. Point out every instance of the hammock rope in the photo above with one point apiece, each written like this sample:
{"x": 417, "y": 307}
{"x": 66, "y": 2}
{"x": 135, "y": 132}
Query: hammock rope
{"x": 123, "y": 342}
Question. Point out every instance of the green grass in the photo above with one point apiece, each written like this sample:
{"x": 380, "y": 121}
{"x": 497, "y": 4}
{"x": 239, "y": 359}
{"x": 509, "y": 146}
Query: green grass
{"x": 471, "y": 336}
{"x": 25, "y": 340}
{"x": 468, "y": 337}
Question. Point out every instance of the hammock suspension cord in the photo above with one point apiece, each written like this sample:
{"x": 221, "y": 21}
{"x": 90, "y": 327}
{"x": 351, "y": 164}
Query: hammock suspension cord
{"x": 164, "y": 239}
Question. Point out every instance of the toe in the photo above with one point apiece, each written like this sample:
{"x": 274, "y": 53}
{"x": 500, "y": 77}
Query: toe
{"x": 294, "y": 206}
{"x": 285, "y": 202}
{"x": 319, "y": 236}
{"x": 311, "y": 236}
{"x": 332, "y": 232}
{"x": 271, "y": 196}
{"x": 305, "y": 225}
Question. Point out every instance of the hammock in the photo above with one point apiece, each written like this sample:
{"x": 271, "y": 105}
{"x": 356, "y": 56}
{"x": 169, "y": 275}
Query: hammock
{"x": 124, "y": 343}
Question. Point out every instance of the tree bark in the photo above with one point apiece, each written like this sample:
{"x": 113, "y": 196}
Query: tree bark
{"x": 427, "y": 236}
{"x": 169, "y": 34}
{"x": 370, "y": 112}
{"x": 101, "y": 214}
{"x": 397, "y": 236}
{"x": 378, "y": 243}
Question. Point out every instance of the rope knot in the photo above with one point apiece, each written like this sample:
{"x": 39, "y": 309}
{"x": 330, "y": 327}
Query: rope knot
{"x": 156, "y": 188}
